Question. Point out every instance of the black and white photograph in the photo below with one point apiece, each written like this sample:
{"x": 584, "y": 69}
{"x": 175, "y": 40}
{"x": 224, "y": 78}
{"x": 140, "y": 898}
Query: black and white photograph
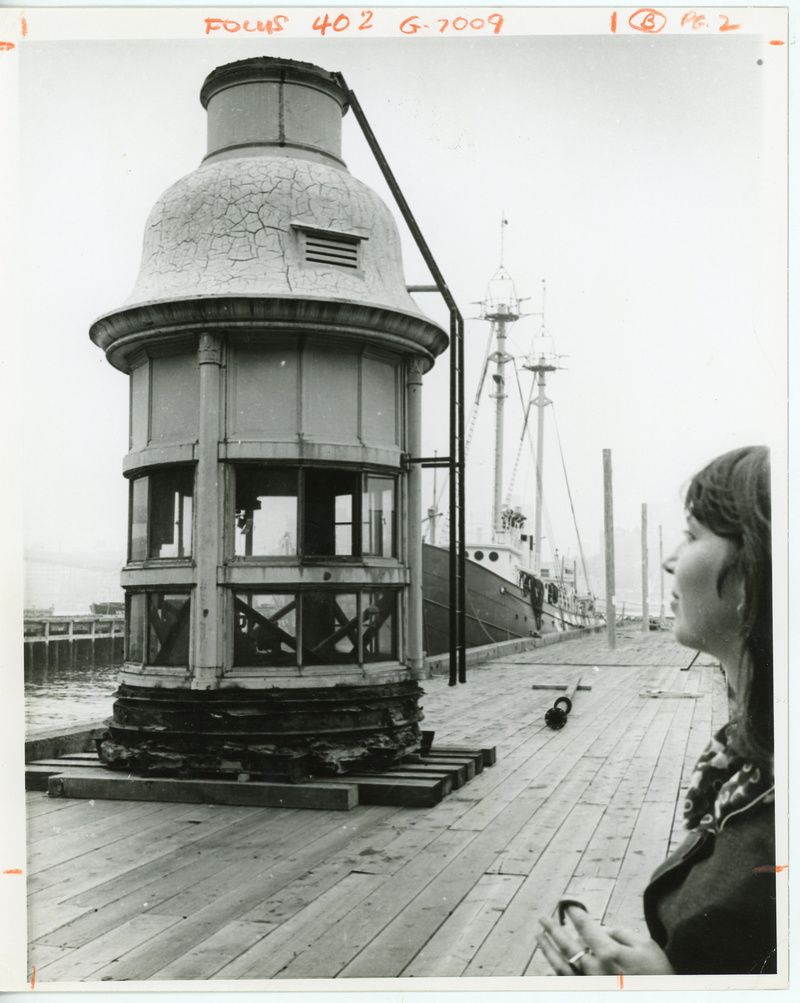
{"x": 397, "y": 514}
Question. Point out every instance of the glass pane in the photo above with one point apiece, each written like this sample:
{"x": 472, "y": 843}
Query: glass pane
{"x": 134, "y": 627}
{"x": 137, "y": 550}
{"x": 171, "y": 512}
{"x": 379, "y": 626}
{"x": 167, "y": 629}
{"x": 266, "y": 511}
{"x": 265, "y": 629}
{"x": 329, "y": 509}
{"x": 377, "y": 513}
{"x": 330, "y": 628}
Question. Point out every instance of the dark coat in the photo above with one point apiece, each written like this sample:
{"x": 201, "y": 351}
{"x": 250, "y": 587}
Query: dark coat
{"x": 711, "y": 905}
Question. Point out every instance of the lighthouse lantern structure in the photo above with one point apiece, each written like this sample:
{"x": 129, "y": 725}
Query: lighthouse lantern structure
{"x": 275, "y": 358}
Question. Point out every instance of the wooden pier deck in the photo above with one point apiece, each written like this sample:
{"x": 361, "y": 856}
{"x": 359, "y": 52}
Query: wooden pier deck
{"x": 140, "y": 891}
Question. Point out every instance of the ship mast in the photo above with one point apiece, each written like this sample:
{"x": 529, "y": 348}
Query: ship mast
{"x": 540, "y": 362}
{"x": 500, "y": 308}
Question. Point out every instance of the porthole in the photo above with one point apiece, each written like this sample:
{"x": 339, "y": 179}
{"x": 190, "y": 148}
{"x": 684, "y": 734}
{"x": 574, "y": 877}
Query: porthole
{"x": 466, "y": 553}
{"x": 492, "y": 555}
{"x": 478, "y": 555}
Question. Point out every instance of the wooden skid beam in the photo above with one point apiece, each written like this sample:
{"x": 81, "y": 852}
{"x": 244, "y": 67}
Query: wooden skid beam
{"x": 457, "y": 774}
{"x": 36, "y": 776}
{"x": 58, "y": 743}
{"x": 405, "y": 792}
{"x": 442, "y": 778}
{"x": 488, "y": 755}
{"x": 417, "y": 781}
{"x": 89, "y": 783}
{"x": 63, "y": 762}
{"x": 561, "y": 687}
{"x": 472, "y": 765}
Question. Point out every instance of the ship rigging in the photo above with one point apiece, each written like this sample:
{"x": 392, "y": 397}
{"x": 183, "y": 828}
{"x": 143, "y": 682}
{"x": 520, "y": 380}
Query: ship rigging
{"x": 522, "y": 594}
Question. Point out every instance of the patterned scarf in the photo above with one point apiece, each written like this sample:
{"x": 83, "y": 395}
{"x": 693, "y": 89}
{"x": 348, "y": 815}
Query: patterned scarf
{"x": 723, "y": 783}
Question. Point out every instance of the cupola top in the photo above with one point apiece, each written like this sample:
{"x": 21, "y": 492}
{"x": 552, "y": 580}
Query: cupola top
{"x": 270, "y": 105}
{"x": 271, "y": 225}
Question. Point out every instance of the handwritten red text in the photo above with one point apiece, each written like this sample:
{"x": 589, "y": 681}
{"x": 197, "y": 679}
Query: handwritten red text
{"x": 652, "y": 21}
{"x": 270, "y": 26}
{"x": 412, "y": 24}
{"x": 341, "y": 22}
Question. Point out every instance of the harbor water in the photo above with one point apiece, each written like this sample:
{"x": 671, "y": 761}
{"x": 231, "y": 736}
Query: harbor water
{"x": 74, "y": 693}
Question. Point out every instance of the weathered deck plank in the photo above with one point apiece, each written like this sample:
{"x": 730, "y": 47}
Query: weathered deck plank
{"x": 58, "y": 848}
{"x": 511, "y": 943}
{"x": 202, "y": 961}
{"x": 257, "y": 884}
{"x": 128, "y": 857}
{"x": 117, "y": 942}
{"x": 304, "y": 929}
{"x": 132, "y": 891}
{"x": 328, "y": 956}
{"x": 397, "y": 944}
{"x": 452, "y": 947}
{"x": 178, "y": 890}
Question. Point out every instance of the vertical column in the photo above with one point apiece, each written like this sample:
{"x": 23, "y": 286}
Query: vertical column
{"x": 645, "y": 574}
{"x": 541, "y": 402}
{"x": 500, "y": 396}
{"x": 414, "y": 642}
{"x": 661, "y": 575}
{"x": 207, "y": 605}
{"x": 608, "y": 512}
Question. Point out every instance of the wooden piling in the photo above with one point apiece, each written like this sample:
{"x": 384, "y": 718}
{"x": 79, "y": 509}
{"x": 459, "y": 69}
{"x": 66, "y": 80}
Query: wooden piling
{"x": 645, "y": 584}
{"x": 661, "y": 574}
{"x": 608, "y": 512}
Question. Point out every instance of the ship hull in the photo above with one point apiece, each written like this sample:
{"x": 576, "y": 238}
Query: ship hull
{"x": 496, "y": 609}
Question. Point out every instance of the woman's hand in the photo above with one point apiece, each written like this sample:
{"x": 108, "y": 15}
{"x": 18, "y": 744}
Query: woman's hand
{"x": 592, "y": 949}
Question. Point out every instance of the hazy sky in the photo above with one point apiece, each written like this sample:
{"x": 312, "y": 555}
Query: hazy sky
{"x": 636, "y": 176}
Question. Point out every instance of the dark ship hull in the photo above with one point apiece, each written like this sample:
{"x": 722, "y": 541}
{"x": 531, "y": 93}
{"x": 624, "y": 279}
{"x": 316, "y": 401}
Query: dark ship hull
{"x": 496, "y": 609}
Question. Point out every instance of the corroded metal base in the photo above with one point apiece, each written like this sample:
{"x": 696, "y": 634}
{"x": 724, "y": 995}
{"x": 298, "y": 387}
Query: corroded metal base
{"x": 275, "y": 732}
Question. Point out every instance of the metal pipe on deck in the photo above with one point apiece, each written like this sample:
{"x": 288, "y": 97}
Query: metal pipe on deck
{"x": 556, "y": 716}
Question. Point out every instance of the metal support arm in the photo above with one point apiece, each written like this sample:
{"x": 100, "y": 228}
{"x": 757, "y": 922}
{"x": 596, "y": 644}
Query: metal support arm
{"x": 458, "y": 670}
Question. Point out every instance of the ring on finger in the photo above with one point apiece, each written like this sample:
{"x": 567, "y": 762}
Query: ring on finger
{"x": 573, "y": 961}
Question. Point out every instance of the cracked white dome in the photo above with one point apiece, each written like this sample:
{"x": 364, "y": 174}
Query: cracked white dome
{"x": 273, "y": 211}
{"x": 240, "y": 226}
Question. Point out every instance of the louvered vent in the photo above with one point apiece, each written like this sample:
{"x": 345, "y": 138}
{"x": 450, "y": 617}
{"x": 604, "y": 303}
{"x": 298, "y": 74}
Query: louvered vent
{"x": 331, "y": 249}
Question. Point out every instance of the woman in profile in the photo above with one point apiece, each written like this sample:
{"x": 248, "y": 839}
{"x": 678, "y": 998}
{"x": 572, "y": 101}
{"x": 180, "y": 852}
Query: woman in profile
{"x": 710, "y": 907}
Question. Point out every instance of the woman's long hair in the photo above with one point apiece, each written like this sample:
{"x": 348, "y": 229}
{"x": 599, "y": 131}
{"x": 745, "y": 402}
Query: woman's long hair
{"x": 731, "y": 497}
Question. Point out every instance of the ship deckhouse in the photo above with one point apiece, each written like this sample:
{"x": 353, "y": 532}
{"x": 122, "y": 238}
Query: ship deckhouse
{"x": 275, "y": 361}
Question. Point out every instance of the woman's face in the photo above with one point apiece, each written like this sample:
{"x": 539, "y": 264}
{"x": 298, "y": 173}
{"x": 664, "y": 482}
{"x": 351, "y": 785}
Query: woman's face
{"x": 704, "y": 602}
